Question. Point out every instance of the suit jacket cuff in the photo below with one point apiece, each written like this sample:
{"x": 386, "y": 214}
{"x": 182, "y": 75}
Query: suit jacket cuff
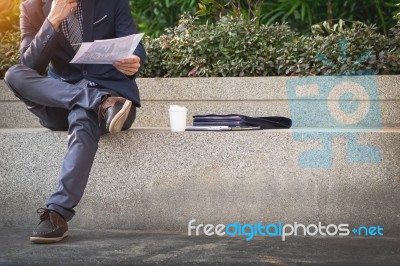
{"x": 37, "y": 54}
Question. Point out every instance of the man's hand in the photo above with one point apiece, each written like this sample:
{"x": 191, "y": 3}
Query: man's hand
{"x": 128, "y": 66}
{"x": 60, "y": 9}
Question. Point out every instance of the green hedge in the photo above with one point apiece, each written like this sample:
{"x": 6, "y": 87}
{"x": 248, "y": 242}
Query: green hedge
{"x": 154, "y": 16}
{"x": 238, "y": 47}
{"x": 9, "y": 34}
{"x": 9, "y": 50}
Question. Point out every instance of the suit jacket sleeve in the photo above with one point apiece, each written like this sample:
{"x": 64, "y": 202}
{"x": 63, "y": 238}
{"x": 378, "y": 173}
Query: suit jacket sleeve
{"x": 38, "y": 39}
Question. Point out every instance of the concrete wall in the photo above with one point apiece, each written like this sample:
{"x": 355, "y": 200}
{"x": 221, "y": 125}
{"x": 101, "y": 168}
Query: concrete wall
{"x": 158, "y": 180}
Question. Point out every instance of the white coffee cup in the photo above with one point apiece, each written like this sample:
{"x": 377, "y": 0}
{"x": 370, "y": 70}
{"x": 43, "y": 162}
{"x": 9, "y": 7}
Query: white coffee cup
{"x": 177, "y": 118}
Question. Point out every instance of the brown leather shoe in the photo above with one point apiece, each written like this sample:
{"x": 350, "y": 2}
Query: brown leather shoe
{"x": 52, "y": 227}
{"x": 114, "y": 110}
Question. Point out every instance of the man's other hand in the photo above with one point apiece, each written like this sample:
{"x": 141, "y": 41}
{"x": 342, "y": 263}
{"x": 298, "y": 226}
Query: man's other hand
{"x": 128, "y": 66}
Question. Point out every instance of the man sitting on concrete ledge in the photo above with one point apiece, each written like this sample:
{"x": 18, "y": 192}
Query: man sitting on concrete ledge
{"x": 86, "y": 100}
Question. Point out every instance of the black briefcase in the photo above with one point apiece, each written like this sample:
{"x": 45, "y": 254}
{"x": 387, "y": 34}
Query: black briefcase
{"x": 236, "y": 120}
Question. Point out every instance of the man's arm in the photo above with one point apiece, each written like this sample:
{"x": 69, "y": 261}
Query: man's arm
{"x": 38, "y": 44}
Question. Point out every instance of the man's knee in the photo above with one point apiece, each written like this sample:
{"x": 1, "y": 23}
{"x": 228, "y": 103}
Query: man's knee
{"x": 15, "y": 75}
{"x": 12, "y": 78}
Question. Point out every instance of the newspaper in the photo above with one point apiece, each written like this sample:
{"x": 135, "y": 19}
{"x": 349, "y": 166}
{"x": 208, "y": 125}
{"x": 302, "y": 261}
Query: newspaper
{"x": 107, "y": 51}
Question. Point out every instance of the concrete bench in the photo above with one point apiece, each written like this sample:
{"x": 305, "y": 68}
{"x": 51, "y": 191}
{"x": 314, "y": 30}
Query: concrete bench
{"x": 150, "y": 178}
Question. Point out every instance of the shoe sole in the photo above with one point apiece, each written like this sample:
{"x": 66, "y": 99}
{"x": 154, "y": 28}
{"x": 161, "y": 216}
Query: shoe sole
{"x": 119, "y": 119}
{"x": 46, "y": 240}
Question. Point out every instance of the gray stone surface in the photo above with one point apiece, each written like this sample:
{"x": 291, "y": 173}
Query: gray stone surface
{"x": 110, "y": 247}
{"x": 250, "y": 96}
{"x": 245, "y": 88}
{"x": 5, "y": 93}
{"x": 159, "y": 180}
{"x": 14, "y": 114}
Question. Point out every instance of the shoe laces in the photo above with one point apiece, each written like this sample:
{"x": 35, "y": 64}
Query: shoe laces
{"x": 44, "y": 214}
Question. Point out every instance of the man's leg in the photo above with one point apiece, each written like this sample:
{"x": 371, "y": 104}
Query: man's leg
{"x": 83, "y": 136}
{"x": 49, "y": 92}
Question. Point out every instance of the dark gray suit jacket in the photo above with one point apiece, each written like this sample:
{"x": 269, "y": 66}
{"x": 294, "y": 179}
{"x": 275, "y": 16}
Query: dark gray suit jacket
{"x": 42, "y": 46}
